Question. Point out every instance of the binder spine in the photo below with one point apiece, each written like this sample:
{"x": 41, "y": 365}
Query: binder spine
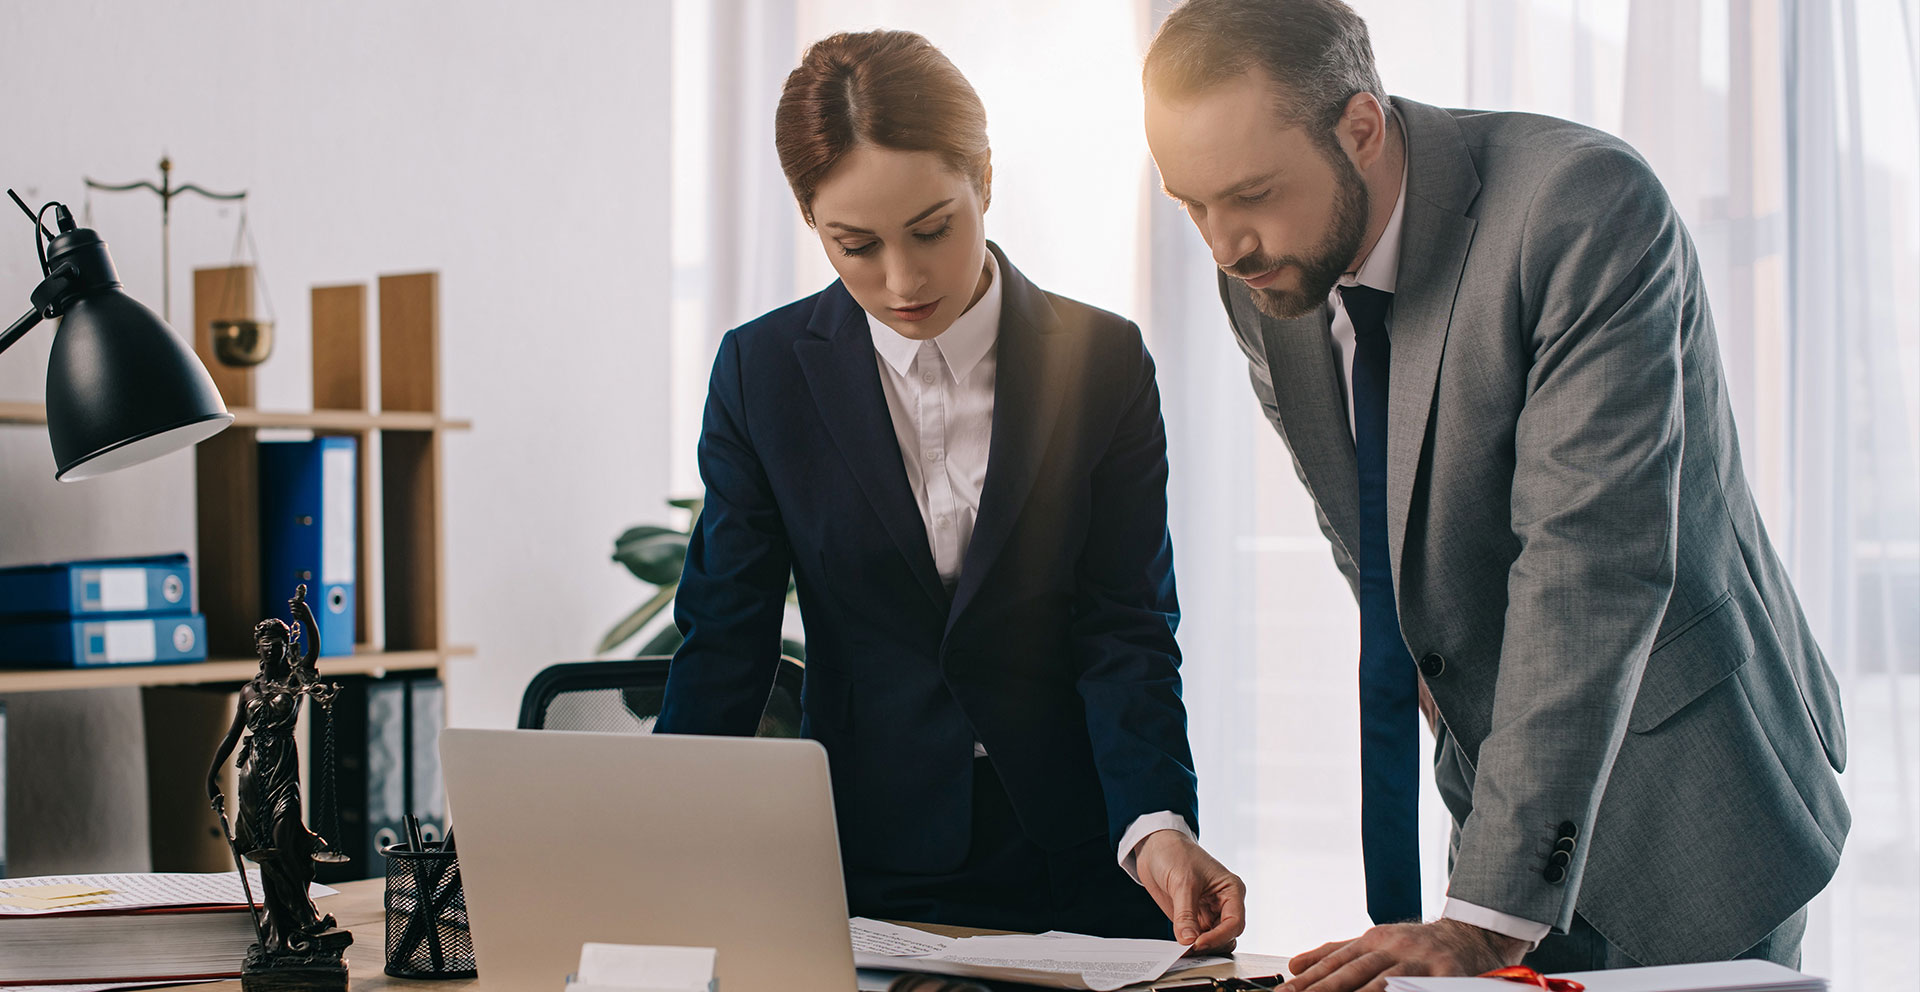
{"x": 426, "y": 792}
{"x": 308, "y": 501}
{"x": 104, "y": 641}
{"x": 148, "y": 586}
{"x": 369, "y": 727}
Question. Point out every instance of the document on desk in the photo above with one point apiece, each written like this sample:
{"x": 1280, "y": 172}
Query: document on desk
{"x": 50, "y": 895}
{"x": 1049, "y": 960}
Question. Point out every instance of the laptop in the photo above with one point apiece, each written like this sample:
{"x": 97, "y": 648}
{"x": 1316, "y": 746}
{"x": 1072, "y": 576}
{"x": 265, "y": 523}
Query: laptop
{"x": 719, "y": 842}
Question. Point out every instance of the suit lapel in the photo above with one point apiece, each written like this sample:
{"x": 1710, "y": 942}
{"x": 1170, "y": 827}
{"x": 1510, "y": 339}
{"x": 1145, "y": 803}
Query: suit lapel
{"x": 1025, "y": 408}
{"x": 1313, "y": 413}
{"x": 1434, "y": 238}
{"x": 844, "y": 376}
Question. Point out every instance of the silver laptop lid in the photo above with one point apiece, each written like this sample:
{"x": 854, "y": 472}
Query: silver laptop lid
{"x": 716, "y": 842}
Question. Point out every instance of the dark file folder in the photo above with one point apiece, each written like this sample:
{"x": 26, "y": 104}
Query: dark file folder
{"x": 426, "y": 793}
{"x": 369, "y": 733}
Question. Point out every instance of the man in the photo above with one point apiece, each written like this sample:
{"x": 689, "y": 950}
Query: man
{"x": 1485, "y": 339}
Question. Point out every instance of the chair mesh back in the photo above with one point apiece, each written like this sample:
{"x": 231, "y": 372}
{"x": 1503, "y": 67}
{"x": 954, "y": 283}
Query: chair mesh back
{"x": 604, "y": 710}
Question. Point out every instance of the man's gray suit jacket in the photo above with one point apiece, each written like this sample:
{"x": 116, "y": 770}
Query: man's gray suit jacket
{"x": 1579, "y": 565}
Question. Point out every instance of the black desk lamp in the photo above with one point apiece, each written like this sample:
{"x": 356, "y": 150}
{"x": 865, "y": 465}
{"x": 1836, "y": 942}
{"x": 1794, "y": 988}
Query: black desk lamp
{"x": 122, "y": 388}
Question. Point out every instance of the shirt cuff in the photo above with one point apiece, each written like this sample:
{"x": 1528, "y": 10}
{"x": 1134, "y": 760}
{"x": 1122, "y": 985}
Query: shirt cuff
{"x": 1142, "y": 826}
{"x": 1496, "y": 921}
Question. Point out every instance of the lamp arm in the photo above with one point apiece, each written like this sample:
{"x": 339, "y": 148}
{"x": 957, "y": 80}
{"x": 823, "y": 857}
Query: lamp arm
{"x": 19, "y": 329}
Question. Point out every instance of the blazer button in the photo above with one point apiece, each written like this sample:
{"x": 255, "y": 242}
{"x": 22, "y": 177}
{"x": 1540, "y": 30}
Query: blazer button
{"x": 1562, "y": 859}
{"x": 1568, "y": 830}
{"x": 1566, "y": 844}
{"x": 1432, "y": 665}
{"x": 1556, "y": 874}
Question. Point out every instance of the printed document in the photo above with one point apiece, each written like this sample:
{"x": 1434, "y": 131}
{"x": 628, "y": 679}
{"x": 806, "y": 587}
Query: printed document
{"x": 49, "y": 894}
{"x": 1050, "y": 960}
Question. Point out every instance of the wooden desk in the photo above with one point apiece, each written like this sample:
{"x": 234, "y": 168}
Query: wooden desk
{"x": 360, "y": 907}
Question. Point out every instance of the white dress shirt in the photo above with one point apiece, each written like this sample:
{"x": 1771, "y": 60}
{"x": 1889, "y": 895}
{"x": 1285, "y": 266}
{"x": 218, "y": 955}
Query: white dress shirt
{"x": 940, "y": 394}
{"x": 1381, "y": 270}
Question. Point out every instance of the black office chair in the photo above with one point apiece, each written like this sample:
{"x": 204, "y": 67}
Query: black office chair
{"x": 624, "y": 697}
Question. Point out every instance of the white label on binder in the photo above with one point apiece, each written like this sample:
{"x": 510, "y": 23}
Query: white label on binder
{"x": 129, "y": 640}
{"x": 123, "y": 590}
{"x": 336, "y": 514}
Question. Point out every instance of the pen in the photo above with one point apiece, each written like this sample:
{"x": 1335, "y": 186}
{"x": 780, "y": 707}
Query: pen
{"x": 414, "y": 839}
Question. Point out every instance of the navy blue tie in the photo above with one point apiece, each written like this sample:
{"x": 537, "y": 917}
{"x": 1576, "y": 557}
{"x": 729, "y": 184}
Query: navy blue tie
{"x": 1389, "y": 692}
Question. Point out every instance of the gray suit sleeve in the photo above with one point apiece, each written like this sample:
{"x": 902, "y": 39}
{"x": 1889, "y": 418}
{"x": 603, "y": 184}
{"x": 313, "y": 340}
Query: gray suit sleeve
{"x": 1262, "y": 380}
{"x": 1604, "y": 265}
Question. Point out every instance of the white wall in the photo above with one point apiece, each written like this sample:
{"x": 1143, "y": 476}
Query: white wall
{"x": 518, "y": 149}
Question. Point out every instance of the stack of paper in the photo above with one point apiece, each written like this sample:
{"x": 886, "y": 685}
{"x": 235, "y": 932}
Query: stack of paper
{"x": 1049, "y": 960}
{"x": 125, "y": 928}
{"x": 108, "y": 987}
{"x": 1715, "y": 976}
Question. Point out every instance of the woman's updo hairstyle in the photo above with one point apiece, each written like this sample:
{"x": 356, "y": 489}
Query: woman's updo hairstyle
{"x": 892, "y": 89}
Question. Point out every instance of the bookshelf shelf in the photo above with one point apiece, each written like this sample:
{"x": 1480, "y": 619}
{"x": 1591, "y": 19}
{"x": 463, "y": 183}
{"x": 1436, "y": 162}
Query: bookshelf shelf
{"x": 35, "y": 414}
{"x": 215, "y": 671}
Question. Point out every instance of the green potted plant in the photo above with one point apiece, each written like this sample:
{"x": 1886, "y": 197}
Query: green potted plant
{"x": 655, "y": 555}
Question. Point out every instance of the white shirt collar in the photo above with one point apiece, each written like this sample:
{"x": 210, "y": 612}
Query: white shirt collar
{"x": 1381, "y": 270}
{"x": 963, "y": 344}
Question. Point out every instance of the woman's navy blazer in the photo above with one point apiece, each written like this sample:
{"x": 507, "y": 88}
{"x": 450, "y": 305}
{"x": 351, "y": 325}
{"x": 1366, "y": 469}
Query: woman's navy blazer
{"x": 1055, "y": 649}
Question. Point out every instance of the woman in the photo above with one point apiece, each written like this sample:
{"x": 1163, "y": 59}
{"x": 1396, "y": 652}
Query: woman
{"x": 966, "y": 477}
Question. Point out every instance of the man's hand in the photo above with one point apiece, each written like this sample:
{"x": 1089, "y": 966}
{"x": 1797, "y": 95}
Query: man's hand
{"x": 1206, "y": 902}
{"x": 1443, "y": 947}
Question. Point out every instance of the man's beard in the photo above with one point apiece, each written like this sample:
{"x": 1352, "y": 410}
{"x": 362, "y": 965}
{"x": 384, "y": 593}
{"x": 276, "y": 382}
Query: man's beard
{"x": 1321, "y": 270}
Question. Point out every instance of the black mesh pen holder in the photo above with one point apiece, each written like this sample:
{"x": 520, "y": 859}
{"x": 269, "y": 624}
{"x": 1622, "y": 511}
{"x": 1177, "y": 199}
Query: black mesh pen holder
{"x": 427, "y": 931}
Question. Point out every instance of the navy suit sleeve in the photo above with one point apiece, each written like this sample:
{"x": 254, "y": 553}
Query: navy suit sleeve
{"x": 732, "y": 594}
{"x": 1125, "y": 613}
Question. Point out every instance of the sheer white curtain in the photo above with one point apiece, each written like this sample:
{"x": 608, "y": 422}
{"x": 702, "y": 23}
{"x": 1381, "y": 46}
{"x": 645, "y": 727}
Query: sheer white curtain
{"x": 1787, "y": 132}
{"x": 1851, "y": 383}
{"x": 732, "y": 246}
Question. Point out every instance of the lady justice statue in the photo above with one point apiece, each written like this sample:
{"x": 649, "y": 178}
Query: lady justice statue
{"x": 298, "y": 949}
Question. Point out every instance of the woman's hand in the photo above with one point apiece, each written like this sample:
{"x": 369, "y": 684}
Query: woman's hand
{"x": 1206, "y": 902}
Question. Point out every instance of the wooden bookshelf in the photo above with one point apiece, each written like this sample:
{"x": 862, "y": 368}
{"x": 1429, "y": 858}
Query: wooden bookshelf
{"x": 400, "y": 531}
{"x": 399, "y": 478}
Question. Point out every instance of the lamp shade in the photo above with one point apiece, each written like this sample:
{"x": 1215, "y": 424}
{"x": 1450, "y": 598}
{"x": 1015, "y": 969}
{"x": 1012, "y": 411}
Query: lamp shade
{"x": 122, "y": 388}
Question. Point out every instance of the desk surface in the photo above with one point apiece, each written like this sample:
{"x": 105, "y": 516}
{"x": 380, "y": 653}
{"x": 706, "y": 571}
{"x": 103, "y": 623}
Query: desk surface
{"x": 360, "y": 907}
